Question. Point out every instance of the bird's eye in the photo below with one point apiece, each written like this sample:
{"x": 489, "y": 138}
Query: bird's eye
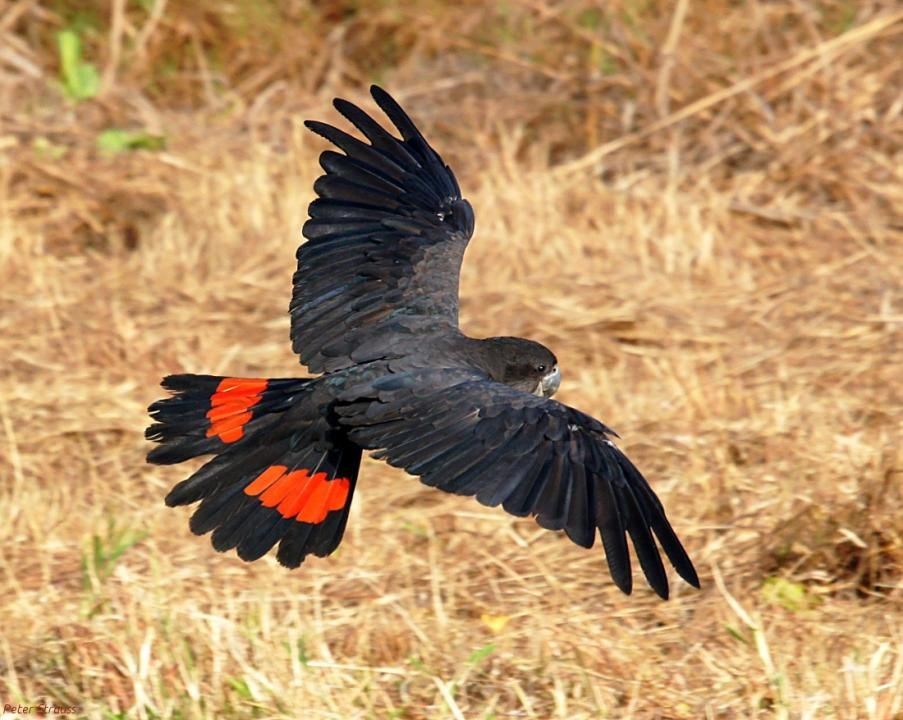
{"x": 541, "y": 368}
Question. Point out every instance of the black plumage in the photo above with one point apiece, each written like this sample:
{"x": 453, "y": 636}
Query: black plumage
{"x": 375, "y": 308}
{"x": 530, "y": 454}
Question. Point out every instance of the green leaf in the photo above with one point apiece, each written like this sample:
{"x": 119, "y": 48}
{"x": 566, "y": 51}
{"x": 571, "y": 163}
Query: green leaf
{"x": 477, "y": 656}
{"x": 117, "y": 140}
{"x": 106, "y": 551}
{"x": 241, "y": 687}
{"x": 736, "y": 634}
{"x": 418, "y": 530}
{"x": 88, "y": 81}
{"x": 591, "y": 19}
{"x": 80, "y": 79}
{"x": 417, "y": 663}
{"x": 788, "y": 594}
{"x": 303, "y": 657}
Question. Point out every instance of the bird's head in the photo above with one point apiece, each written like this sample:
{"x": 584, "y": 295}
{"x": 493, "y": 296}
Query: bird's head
{"x": 524, "y": 364}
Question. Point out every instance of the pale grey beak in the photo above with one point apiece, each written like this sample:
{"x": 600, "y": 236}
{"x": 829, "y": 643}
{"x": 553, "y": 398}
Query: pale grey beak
{"x": 550, "y": 382}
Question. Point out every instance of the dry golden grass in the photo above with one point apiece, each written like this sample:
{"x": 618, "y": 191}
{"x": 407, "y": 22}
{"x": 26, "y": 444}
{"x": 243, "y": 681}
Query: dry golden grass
{"x": 698, "y": 206}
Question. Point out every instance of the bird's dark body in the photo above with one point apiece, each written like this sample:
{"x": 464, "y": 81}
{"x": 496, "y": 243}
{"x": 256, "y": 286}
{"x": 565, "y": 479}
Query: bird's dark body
{"x": 375, "y": 310}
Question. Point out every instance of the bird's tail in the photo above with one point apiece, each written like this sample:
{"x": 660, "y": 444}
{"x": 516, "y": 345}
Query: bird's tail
{"x": 281, "y": 472}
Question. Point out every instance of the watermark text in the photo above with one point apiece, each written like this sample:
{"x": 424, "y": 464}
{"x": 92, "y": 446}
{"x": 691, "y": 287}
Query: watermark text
{"x": 41, "y": 709}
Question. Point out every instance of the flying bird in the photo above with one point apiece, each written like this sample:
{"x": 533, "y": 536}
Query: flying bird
{"x": 374, "y": 313}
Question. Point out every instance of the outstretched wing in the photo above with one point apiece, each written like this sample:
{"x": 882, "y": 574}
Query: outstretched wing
{"x": 385, "y": 240}
{"x": 465, "y": 434}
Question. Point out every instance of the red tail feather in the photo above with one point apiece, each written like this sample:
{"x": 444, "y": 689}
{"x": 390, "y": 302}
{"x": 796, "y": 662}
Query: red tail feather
{"x": 277, "y": 477}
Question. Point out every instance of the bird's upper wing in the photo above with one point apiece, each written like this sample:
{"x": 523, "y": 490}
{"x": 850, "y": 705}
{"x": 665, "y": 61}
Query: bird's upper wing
{"x": 465, "y": 434}
{"x": 385, "y": 240}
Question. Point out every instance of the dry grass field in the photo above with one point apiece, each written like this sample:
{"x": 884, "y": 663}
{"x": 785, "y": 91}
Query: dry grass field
{"x": 697, "y": 204}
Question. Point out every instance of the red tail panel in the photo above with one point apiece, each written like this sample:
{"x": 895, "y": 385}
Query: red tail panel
{"x": 230, "y": 407}
{"x": 299, "y": 495}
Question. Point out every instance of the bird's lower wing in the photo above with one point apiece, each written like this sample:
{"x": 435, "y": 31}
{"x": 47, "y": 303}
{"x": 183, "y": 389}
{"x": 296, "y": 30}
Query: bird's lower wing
{"x": 468, "y": 435}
